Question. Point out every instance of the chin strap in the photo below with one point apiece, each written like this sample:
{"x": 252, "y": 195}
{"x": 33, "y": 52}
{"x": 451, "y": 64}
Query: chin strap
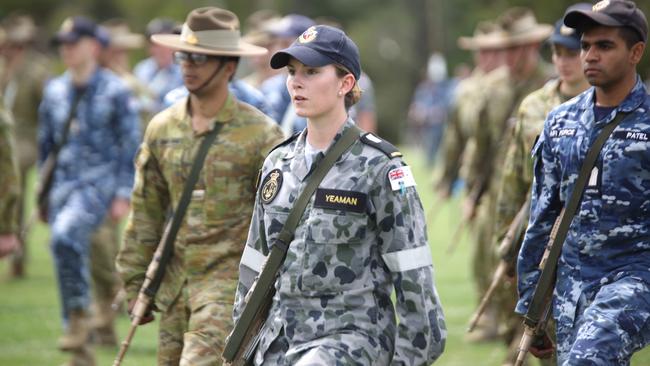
{"x": 214, "y": 74}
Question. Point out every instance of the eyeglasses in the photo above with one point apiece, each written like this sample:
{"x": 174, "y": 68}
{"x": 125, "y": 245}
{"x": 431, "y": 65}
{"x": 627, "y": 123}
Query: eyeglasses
{"x": 193, "y": 58}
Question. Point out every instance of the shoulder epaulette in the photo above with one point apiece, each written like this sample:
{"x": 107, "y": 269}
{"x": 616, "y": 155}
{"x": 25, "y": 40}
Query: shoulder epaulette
{"x": 380, "y": 144}
{"x": 286, "y": 142}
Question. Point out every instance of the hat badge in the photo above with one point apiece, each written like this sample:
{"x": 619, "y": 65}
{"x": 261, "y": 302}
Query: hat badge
{"x": 566, "y": 31}
{"x": 67, "y": 25}
{"x": 308, "y": 35}
{"x": 599, "y": 6}
{"x": 191, "y": 38}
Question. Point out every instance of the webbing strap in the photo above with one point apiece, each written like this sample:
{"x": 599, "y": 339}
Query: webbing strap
{"x": 179, "y": 213}
{"x": 546, "y": 281}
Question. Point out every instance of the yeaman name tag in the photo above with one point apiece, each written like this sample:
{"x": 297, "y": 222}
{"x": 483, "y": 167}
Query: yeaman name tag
{"x": 336, "y": 199}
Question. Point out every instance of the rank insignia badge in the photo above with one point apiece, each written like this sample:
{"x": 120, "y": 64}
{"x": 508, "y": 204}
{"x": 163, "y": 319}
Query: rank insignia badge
{"x": 271, "y": 185}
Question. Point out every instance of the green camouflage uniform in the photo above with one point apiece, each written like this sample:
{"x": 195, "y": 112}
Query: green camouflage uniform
{"x": 9, "y": 178}
{"x": 362, "y": 235}
{"x": 491, "y": 139}
{"x": 517, "y": 174}
{"x": 198, "y": 289}
{"x": 462, "y": 123}
{"x": 21, "y": 94}
{"x": 516, "y": 180}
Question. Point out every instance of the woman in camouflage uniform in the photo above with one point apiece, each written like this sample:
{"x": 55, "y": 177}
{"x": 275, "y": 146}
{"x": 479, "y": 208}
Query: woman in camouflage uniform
{"x": 361, "y": 235}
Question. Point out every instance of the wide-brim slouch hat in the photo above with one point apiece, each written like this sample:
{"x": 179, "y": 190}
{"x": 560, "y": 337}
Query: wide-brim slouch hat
{"x": 487, "y": 35}
{"x": 210, "y": 31}
{"x": 522, "y": 27}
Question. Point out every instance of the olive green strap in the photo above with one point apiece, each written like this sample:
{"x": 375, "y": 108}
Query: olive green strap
{"x": 546, "y": 281}
{"x": 179, "y": 213}
{"x": 262, "y": 292}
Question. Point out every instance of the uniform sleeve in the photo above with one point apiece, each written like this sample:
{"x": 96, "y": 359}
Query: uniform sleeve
{"x": 149, "y": 202}
{"x": 45, "y": 130}
{"x": 128, "y": 128}
{"x": 515, "y": 179}
{"x": 406, "y": 254}
{"x": 9, "y": 180}
{"x": 545, "y": 207}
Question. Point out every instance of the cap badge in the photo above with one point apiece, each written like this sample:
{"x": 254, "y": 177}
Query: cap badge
{"x": 308, "y": 35}
{"x": 191, "y": 38}
{"x": 271, "y": 185}
{"x": 599, "y": 6}
{"x": 566, "y": 31}
{"x": 67, "y": 25}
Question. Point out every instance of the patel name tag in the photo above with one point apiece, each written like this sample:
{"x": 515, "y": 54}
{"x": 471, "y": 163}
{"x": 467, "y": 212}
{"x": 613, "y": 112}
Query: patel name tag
{"x": 337, "y": 199}
{"x": 631, "y": 135}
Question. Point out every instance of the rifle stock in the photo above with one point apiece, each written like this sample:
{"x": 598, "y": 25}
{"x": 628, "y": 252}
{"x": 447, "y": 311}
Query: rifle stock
{"x": 506, "y": 251}
{"x": 242, "y": 343}
{"x": 146, "y": 294}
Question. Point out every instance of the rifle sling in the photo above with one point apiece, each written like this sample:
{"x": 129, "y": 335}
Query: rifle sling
{"x": 266, "y": 278}
{"x": 546, "y": 282}
{"x": 179, "y": 213}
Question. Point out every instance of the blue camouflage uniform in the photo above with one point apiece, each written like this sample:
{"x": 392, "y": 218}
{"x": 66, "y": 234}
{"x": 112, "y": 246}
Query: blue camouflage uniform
{"x": 158, "y": 81}
{"x": 277, "y": 96}
{"x": 95, "y": 166}
{"x": 239, "y": 88}
{"x": 360, "y": 237}
{"x": 601, "y": 301}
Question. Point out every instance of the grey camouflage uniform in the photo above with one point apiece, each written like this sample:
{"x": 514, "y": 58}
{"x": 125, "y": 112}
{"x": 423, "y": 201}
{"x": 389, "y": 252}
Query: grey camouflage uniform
{"x": 332, "y": 303}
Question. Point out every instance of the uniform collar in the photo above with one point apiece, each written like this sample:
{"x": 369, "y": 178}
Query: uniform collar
{"x": 298, "y": 163}
{"x": 630, "y": 103}
{"x": 225, "y": 114}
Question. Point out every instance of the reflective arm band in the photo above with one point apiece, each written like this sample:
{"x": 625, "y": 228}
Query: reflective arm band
{"x": 253, "y": 259}
{"x": 405, "y": 260}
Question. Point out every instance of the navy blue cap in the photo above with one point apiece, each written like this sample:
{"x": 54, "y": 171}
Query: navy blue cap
{"x": 290, "y": 26}
{"x": 321, "y": 45}
{"x": 610, "y": 13}
{"x": 77, "y": 27}
{"x": 565, "y": 36}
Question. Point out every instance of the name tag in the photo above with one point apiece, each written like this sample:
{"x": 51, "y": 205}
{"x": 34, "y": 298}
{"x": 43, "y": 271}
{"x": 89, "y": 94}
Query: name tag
{"x": 337, "y": 199}
{"x": 562, "y": 132}
{"x": 631, "y": 135}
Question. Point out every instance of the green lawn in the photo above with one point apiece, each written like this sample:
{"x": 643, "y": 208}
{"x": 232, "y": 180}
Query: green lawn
{"x": 29, "y": 308}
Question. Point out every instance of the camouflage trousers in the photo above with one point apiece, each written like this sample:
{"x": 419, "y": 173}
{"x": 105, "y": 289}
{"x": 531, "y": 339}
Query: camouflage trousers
{"x": 194, "y": 336}
{"x": 610, "y": 325}
{"x": 103, "y": 250}
{"x": 72, "y": 224}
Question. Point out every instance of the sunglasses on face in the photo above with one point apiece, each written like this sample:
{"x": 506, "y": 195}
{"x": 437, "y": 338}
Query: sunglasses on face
{"x": 193, "y": 58}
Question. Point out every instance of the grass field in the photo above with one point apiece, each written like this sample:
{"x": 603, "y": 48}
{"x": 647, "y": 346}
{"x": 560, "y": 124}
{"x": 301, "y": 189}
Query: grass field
{"x": 29, "y": 308}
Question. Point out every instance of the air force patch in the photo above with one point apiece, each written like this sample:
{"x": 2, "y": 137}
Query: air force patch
{"x": 271, "y": 186}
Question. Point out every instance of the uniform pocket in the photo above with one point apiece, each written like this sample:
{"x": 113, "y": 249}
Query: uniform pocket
{"x": 336, "y": 253}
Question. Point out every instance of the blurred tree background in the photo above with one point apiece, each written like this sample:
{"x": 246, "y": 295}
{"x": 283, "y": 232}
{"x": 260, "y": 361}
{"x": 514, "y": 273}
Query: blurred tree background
{"x": 395, "y": 37}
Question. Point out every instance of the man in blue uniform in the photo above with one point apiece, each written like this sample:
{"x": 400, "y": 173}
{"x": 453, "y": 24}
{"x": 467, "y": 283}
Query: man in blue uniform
{"x": 94, "y": 172}
{"x": 601, "y": 301}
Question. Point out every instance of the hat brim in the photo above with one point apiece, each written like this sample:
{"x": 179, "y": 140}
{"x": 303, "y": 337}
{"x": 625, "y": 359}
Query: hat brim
{"x": 486, "y": 42}
{"x": 568, "y": 42}
{"x": 579, "y": 18}
{"x": 307, "y": 56}
{"x": 127, "y": 41}
{"x": 61, "y": 38}
{"x": 538, "y": 34}
{"x": 174, "y": 41}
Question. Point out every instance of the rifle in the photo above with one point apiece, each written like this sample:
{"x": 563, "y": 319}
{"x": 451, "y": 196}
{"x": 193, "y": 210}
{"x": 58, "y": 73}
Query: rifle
{"x": 536, "y": 328}
{"x": 474, "y": 197}
{"x": 507, "y": 252}
{"x": 152, "y": 281}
